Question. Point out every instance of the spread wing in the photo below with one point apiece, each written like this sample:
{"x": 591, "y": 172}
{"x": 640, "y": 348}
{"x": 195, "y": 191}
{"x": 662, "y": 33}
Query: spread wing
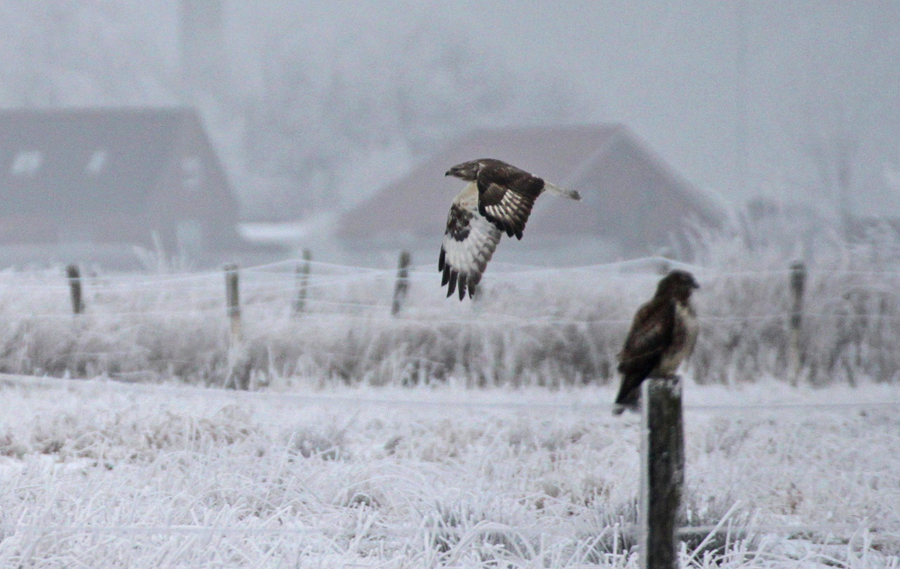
{"x": 506, "y": 195}
{"x": 469, "y": 242}
{"x": 650, "y": 335}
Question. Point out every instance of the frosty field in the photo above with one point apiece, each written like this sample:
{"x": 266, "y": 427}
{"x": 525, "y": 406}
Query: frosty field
{"x": 104, "y": 474}
{"x": 473, "y": 434}
{"x": 533, "y": 326}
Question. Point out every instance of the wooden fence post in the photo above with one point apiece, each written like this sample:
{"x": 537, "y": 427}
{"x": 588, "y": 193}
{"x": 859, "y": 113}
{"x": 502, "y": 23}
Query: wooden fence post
{"x": 74, "y": 276}
{"x": 302, "y": 275}
{"x": 662, "y": 472}
{"x": 798, "y": 284}
{"x": 402, "y": 286}
{"x": 233, "y": 301}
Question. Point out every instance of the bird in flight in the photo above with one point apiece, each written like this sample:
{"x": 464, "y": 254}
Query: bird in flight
{"x": 497, "y": 199}
{"x": 662, "y": 335}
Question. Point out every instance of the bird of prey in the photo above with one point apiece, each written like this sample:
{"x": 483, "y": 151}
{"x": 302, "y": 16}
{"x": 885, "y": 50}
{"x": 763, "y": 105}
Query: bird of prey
{"x": 662, "y": 335}
{"x": 498, "y": 199}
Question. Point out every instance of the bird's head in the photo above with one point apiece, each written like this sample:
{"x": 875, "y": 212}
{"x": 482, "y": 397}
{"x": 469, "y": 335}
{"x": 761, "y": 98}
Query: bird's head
{"x": 467, "y": 171}
{"x": 678, "y": 283}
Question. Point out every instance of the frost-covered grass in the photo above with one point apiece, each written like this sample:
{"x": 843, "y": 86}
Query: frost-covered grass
{"x": 532, "y": 327}
{"x": 99, "y": 474}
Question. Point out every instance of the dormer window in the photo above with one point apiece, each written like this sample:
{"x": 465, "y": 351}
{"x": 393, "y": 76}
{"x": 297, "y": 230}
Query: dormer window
{"x": 97, "y": 162}
{"x": 27, "y": 163}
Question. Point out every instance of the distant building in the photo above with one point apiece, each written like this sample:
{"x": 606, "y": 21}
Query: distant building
{"x": 634, "y": 204}
{"x": 93, "y": 183}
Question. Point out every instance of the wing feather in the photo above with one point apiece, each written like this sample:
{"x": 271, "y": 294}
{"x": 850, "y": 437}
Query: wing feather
{"x": 645, "y": 346}
{"x": 506, "y": 195}
{"x": 469, "y": 243}
{"x": 650, "y": 334}
{"x": 507, "y": 209}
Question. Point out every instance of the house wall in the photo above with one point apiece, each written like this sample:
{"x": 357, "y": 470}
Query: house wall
{"x": 28, "y": 228}
{"x": 191, "y": 207}
{"x": 157, "y": 172}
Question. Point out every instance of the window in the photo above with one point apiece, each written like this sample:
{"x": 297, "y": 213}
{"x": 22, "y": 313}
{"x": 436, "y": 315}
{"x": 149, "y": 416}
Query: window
{"x": 27, "y": 163}
{"x": 97, "y": 162}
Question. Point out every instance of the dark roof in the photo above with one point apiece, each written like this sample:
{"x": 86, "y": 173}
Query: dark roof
{"x": 52, "y": 161}
{"x": 418, "y": 199}
{"x": 569, "y": 156}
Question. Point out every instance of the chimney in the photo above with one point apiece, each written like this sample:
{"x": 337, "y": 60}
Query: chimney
{"x": 202, "y": 47}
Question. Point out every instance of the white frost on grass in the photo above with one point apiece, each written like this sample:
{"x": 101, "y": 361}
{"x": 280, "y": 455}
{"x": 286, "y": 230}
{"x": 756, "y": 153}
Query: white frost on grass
{"x": 103, "y": 474}
{"x": 531, "y": 327}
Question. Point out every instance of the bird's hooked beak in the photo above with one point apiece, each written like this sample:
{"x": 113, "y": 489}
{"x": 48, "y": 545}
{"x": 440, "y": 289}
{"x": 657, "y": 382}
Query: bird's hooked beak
{"x": 466, "y": 171}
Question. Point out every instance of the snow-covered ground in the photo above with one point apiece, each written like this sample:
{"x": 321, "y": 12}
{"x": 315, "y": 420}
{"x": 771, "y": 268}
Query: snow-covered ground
{"x": 103, "y": 474}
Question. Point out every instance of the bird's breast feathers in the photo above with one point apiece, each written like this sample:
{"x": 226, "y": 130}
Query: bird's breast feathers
{"x": 684, "y": 336}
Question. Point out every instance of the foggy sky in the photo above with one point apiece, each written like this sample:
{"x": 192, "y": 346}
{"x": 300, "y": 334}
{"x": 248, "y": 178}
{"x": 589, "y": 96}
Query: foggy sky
{"x": 813, "y": 71}
{"x": 815, "y": 78}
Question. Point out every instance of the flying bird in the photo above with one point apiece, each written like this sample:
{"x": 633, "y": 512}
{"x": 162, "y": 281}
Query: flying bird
{"x": 662, "y": 335}
{"x": 497, "y": 200}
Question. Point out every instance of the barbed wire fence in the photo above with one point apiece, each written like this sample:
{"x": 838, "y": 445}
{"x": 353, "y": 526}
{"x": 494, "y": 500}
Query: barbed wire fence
{"x": 275, "y": 283}
{"x": 384, "y": 325}
{"x": 119, "y": 326}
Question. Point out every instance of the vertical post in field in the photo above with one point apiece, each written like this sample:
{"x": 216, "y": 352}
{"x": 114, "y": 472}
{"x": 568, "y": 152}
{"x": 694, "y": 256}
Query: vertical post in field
{"x": 662, "y": 472}
{"x": 74, "y": 276}
{"x": 798, "y": 285}
{"x": 232, "y": 297}
{"x": 402, "y": 286}
{"x": 302, "y": 275}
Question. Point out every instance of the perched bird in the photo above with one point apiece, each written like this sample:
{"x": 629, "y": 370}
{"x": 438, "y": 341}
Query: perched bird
{"x": 498, "y": 199}
{"x": 662, "y": 335}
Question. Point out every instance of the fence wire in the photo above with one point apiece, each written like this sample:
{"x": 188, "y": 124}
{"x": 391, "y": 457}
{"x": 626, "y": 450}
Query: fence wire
{"x": 567, "y": 322}
{"x": 275, "y": 286}
{"x": 369, "y": 402}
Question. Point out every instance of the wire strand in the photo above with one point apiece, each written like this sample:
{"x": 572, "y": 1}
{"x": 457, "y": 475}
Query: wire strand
{"x": 316, "y": 399}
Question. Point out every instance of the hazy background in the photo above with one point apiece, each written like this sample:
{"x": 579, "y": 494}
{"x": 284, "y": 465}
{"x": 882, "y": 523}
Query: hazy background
{"x": 316, "y": 104}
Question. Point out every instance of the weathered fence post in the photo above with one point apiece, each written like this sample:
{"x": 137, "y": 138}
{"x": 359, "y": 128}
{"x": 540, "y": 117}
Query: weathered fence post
{"x": 662, "y": 472}
{"x": 402, "y": 286}
{"x": 74, "y": 276}
{"x": 798, "y": 284}
{"x": 233, "y": 301}
{"x": 302, "y": 275}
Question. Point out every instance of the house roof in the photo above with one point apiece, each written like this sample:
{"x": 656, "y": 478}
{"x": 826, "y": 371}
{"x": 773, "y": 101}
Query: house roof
{"x": 417, "y": 204}
{"x": 55, "y": 160}
{"x": 418, "y": 200}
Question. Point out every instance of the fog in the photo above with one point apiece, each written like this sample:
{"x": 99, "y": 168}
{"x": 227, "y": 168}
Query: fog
{"x": 316, "y": 104}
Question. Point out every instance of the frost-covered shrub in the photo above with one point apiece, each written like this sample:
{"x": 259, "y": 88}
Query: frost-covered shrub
{"x": 531, "y": 326}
